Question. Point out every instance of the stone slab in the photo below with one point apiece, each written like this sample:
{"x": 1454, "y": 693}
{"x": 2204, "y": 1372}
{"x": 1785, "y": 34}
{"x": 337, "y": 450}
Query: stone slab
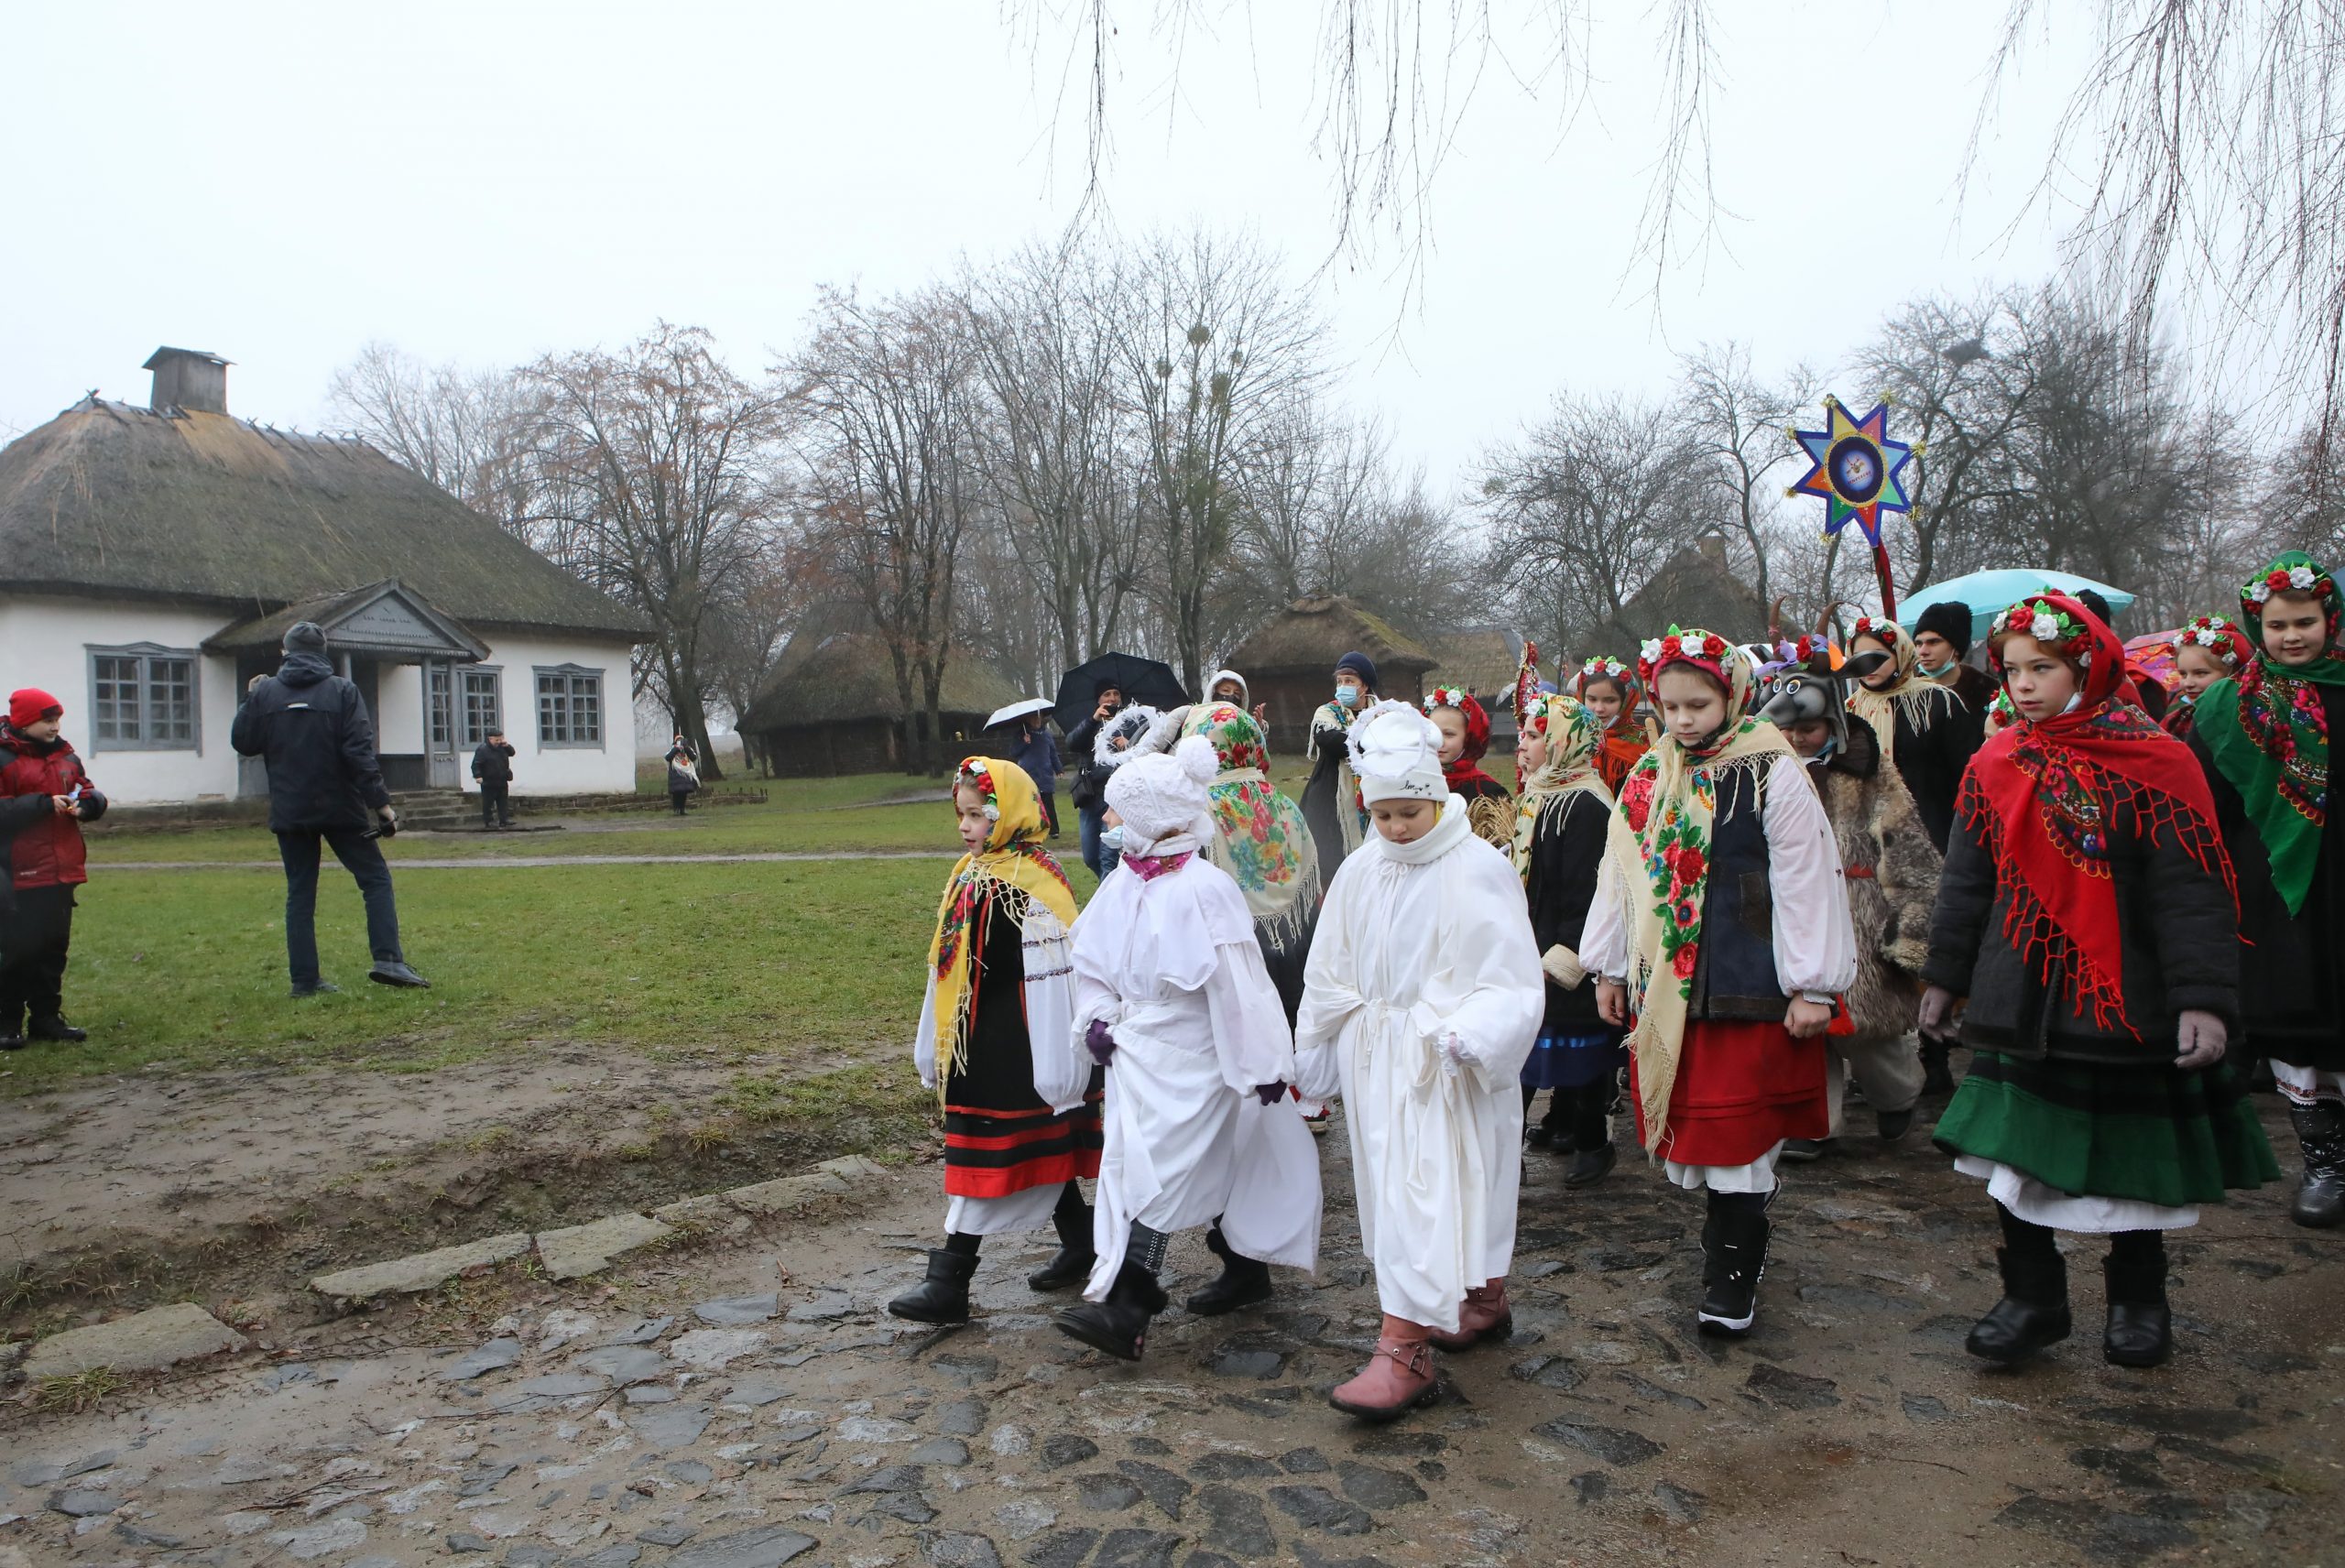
{"x": 159, "y": 1337}
{"x": 576, "y": 1250}
{"x": 853, "y": 1167}
{"x": 708, "y": 1212}
{"x": 424, "y": 1271}
{"x": 787, "y": 1193}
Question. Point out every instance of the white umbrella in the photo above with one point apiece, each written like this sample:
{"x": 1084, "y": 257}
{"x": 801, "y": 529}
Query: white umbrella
{"x": 1018, "y": 710}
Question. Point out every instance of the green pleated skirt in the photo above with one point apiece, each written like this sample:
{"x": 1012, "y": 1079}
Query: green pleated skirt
{"x": 2152, "y": 1133}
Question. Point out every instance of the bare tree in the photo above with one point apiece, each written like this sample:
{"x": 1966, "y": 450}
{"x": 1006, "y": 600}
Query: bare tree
{"x": 470, "y": 432}
{"x": 660, "y": 463}
{"x": 891, "y": 389}
{"x": 1738, "y": 423}
{"x": 1213, "y": 345}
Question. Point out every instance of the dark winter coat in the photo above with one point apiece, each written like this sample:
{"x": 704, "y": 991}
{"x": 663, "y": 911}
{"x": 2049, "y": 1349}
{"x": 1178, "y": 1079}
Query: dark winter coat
{"x": 1566, "y": 853}
{"x": 2290, "y": 966}
{"x": 1037, "y": 754}
{"x": 1892, "y": 873}
{"x": 2180, "y": 952}
{"x": 1734, "y": 968}
{"x": 492, "y": 763}
{"x": 45, "y": 848}
{"x": 1090, "y": 786}
{"x": 310, "y": 726}
{"x": 1931, "y": 757}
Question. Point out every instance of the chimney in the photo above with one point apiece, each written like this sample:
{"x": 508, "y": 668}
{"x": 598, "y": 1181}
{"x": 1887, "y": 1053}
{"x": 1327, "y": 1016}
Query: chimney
{"x": 1712, "y": 546}
{"x": 188, "y": 380}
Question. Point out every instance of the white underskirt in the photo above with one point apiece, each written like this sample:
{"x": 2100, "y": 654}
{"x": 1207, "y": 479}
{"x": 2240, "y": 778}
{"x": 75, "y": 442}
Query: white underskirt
{"x": 1758, "y": 1176}
{"x": 2038, "y": 1204}
{"x": 1028, "y": 1210}
{"x": 2303, "y": 1085}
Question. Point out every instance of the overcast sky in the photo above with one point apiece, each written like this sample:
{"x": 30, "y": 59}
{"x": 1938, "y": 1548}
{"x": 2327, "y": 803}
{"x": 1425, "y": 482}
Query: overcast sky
{"x": 486, "y": 182}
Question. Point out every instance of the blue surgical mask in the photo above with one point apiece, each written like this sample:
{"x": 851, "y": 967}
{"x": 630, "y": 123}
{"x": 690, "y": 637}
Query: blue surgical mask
{"x": 1347, "y": 695}
{"x": 1112, "y": 838}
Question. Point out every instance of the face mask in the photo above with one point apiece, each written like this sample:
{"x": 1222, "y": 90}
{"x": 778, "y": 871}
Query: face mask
{"x": 1112, "y": 838}
{"x": 1941, "y": 672}
{"x": 1347, "y": 695}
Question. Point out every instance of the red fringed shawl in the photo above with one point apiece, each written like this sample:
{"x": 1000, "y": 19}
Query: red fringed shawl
{"x": 2041, "y": 796}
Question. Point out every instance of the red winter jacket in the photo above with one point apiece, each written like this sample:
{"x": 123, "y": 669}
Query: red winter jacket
{"x": 45, "y": 851}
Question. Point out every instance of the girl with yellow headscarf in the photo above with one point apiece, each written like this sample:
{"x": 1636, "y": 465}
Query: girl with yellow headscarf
{"x": 1021, "y": 1109}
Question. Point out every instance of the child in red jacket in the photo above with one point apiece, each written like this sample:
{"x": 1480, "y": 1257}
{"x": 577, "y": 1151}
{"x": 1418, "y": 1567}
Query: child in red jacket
{"x": 45, "y": 797}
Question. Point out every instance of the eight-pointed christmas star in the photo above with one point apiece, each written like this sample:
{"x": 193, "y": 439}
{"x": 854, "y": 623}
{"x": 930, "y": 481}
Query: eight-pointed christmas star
{"x": 1858, "y": 470}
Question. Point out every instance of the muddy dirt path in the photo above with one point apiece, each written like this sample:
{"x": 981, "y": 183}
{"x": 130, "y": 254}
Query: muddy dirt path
{"x": 659, "y": 1418}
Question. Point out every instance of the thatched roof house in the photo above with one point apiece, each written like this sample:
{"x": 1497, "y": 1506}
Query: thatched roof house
{"x": 1289, "y": 660}
{"x": 1482, "y": 661}
{"x": 155, "y": 554}
{"x": 1696, "y": 587}
{"x": 830, "y": 707}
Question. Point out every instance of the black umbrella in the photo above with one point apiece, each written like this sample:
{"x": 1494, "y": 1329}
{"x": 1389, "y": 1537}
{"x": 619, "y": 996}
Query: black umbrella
{"x": 1139, "y": 679}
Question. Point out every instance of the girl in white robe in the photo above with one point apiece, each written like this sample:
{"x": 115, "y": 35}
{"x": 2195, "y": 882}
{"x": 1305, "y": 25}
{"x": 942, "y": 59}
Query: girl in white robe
{"x": 1421, "y": 1001}
{"x": 1171, "y": 995}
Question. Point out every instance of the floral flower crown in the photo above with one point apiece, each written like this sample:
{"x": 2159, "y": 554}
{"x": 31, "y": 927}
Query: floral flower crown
{"x": 1447, "y": 697}
{"x": 2218, "y": 635}
{"x": 1807, "y": 648}
{"x": 1879, "y": 626}
{"x": 2298, "y": 579}
{"x": 977, "y": 774}
{"x": 1603, "y": 667}
{"x": 1707, "y": 649}
{"x": 2054, "y": 628}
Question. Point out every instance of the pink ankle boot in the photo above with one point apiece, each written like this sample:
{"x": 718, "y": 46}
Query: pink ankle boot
{"x": 1486, "y": 1314}
{"x": 1398, "y": 1378}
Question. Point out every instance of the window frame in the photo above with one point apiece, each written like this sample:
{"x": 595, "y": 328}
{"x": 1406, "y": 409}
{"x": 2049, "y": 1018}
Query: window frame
{"x": 144, "y": 656}
{"x": 465, "y": 735}
{"x": 571, "y": 676}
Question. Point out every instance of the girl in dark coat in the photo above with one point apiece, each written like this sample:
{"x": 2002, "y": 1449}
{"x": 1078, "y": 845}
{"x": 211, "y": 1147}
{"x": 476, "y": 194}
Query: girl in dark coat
{"x": 1563, "y": 825}
{"x": 2264, "y": 742}
{"x": 1464, "y": 727}
{"x": 2087, "y": 911}
{"x": 1331, "y": 802}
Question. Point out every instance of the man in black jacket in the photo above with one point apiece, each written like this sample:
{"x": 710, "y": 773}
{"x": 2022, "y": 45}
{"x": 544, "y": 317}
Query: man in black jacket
{"x": 492, "y": 766}
{"x": 324, "y": 785}
{"x": 1090, "y": 792}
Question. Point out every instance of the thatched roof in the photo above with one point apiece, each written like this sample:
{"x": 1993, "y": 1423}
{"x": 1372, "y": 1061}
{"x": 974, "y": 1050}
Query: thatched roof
{"x": 1309, "y": 635}
{"x": 1696, "y": 587}
{"x": 1483, "y": 660}
{"x": 827, "y": 677}
{"x": 119, "y": 502}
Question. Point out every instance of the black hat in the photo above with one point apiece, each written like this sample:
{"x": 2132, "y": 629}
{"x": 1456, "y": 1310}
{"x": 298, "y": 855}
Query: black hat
{"x": 305, "y": 636}
{"x": 2093, "y": 600}
{"x": 1951, "y": 619}
{"x": 1104, "y": 684}
{"x": 1360, "y": 664}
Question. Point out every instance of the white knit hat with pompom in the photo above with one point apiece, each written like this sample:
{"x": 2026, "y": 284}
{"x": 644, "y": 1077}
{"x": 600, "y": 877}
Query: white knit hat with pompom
{"x": 1161, "y": 794}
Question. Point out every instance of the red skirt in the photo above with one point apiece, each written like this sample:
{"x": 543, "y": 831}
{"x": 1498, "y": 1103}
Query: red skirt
{"x": 992, "y": 1154}
{"x": 1742, "y": 1089}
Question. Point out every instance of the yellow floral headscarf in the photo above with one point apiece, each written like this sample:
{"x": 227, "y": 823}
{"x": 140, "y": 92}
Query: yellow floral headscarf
{"x": 1013, "y": 868}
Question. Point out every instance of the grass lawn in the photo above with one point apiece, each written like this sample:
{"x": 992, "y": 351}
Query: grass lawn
{"x": 187, "y": 967}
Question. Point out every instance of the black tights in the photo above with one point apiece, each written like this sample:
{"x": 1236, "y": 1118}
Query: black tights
{"x": 1579, "y": 1112}
{"x": 2127, "y": 1248}
{"x": 1070, "y": 1206}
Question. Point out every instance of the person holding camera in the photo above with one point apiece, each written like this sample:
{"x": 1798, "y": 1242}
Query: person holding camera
{"x": 1090, "y": 791}
{"x": 45, "y": 797}
{"x": 324, "y": 787}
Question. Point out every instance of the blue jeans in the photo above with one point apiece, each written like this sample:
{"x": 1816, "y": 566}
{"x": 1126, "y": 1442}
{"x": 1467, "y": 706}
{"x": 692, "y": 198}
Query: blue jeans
{"x": 363, "y": 858}
{"x": 1097, "y": 855}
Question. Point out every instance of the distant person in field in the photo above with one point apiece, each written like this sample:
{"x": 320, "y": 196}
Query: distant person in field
{"x": 325, "y": 788}
{"x": 45, "y": 797}
{"x": 1037, "y": 754}
{"x": 683, "y": 772}
{"x": 492, "y": 766}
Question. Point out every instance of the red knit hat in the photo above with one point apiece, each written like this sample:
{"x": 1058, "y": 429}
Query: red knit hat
{"x": 30, "y": 705}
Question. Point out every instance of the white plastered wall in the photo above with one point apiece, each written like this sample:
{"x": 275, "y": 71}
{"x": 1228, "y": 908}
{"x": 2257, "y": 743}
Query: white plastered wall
{"x": 46, "y": 642}
{"x": 559, "y": 770}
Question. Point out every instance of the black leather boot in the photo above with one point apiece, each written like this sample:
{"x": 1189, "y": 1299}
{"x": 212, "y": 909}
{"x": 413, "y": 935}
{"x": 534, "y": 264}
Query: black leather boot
{"x": 52, "y": 1026}
{"x": 2320, "y": 1136}
{"x": 2141, "y": 1326}
{"x": 1734, "y": 1255}
{"x": 1244, "y": 1283}
{"x": 2034, "y": 1312}
{"x": 943, "y": 1296}
{"x": 1118, "y": 1326}
{"x": 1071, "y": 1265}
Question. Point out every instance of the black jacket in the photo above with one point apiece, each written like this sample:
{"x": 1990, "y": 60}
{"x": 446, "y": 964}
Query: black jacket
{"x": 1931, "y": 760}
{"x": 311, "y": 727}
{"x": 1090, "y": 787}
{"x": 1566, "y": 853}
{"x": 492, "y": 764}
{"x": 2180, "y": 950}
{"x": 2289, "y": 979}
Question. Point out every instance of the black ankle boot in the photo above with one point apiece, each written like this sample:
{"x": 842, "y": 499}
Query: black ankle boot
{"x": 2034, "y": 1312}
{"x": 1734, "y": 1255}
{"x": 1071, "y": 1265}
{"x": 943, "y": 1296}
{"x": 1244, "y": 1283}
{"x": 2320, "y": 1135}
{"x": 1118, "y": 1325}
{"x": 2141, "y": 1326}
{"x": 1937, "y": 1077}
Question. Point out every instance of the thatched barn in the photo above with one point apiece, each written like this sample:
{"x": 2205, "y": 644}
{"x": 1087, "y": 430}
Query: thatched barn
{"x": 1481, "y": 661}
{"x": 1289, "y": 661}
{"x": 155, "y": 555}
{"x": 830, "y": 707}
{"x": 1696, "y": 587}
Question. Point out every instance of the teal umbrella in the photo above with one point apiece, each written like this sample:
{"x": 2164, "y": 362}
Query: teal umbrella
{"x": 1989, "y": 594}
